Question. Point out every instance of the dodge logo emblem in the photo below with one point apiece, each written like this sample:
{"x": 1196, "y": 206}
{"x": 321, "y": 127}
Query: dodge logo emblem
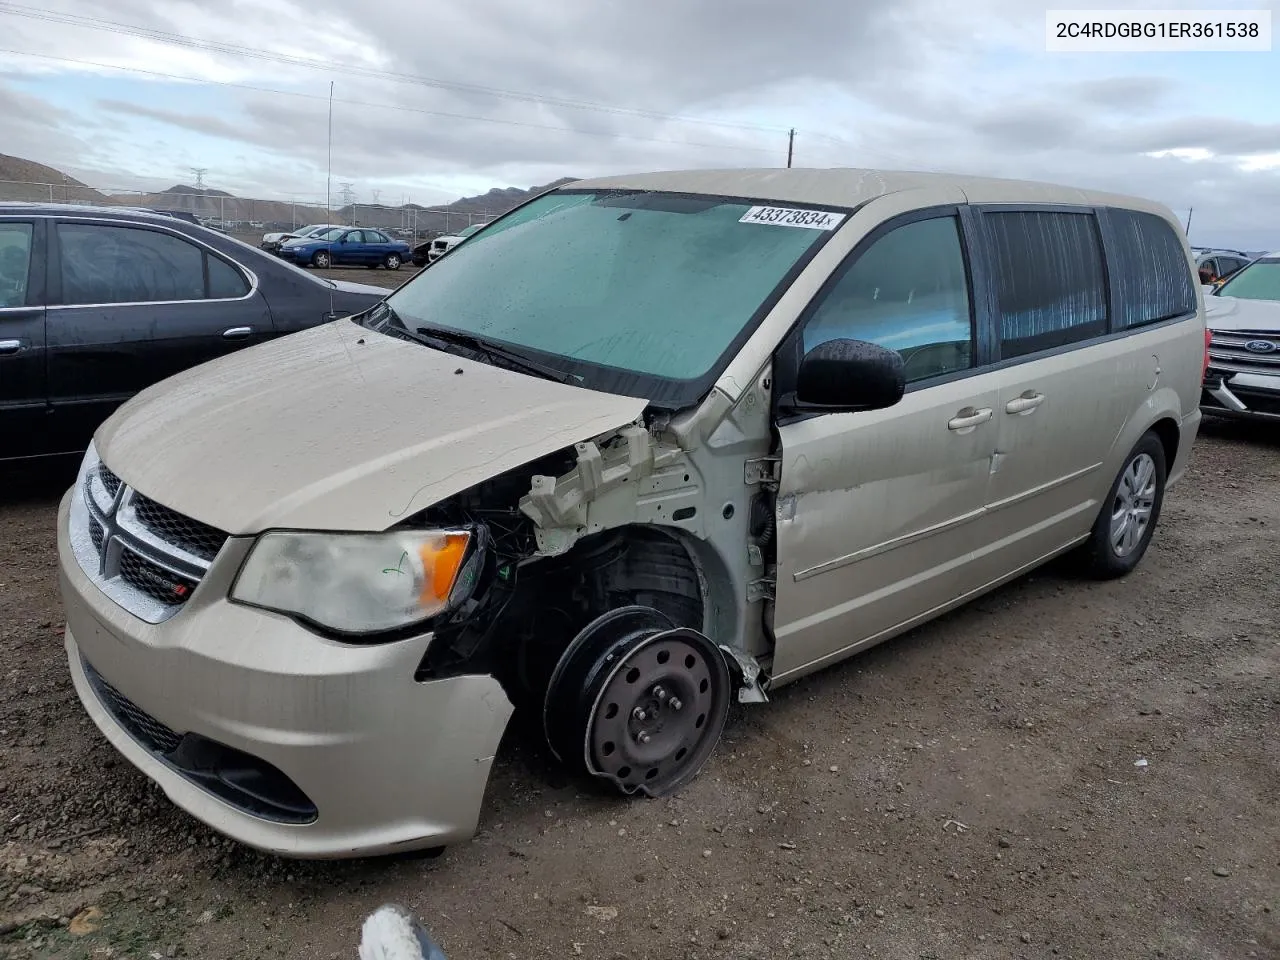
{"x": 1261, "y": 346}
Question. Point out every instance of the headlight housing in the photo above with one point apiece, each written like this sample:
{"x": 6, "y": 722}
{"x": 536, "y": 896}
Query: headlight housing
{"x": 356, "y": 583}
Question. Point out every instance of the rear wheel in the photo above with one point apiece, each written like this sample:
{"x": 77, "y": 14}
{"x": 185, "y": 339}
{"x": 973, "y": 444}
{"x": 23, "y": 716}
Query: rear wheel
{"x": 392, "y": 262}
{"x": 1128, "y": 517}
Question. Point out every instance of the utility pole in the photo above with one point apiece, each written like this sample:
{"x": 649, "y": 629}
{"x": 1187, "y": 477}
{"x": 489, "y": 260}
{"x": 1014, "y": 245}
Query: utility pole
{"x": 791, "y": 145}
{"x": 1190, "y": 211}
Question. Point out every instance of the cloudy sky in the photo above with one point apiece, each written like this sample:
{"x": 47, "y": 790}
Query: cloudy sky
{"x": 451, "y": 97}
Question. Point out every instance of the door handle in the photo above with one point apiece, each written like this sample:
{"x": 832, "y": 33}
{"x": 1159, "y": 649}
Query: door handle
{"x": 10, "y": 346}
{"x": 237, "y": 333}
{"x": 1025, "y": 403}
{"x": 968, "y": 418}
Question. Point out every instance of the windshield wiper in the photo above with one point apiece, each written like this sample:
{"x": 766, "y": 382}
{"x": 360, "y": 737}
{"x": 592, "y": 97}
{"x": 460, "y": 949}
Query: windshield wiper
{"x": 495, "y": 352}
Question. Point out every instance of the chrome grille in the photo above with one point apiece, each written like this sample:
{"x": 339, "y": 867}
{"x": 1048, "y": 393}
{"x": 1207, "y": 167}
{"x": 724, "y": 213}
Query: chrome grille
{"x": 153, "y": 579}
{"x": 1243, "y": 352}
{"x": 193, "y": 536}
{"x": 143, "y": 555}
{"x": 110, "y": 482}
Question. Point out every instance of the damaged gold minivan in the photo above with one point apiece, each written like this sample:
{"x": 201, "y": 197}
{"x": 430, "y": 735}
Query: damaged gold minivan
{"x": 642, "y": 446}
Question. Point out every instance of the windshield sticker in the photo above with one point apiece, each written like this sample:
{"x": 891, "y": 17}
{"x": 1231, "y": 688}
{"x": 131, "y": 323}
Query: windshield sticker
{"x": 788, "y": 217}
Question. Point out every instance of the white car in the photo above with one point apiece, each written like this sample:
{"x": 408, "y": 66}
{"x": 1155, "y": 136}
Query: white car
{"x": 273, "y": 241}
{"x": 442, "y": 245}
{"x": 1243, "y": 317}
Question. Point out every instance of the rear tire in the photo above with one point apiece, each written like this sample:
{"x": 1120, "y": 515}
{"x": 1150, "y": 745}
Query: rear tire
{"x": 392, "y": 262}
{"x": 1127, "y": 520}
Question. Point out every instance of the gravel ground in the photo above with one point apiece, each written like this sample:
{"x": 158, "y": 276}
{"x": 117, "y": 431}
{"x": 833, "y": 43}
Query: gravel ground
{"x": 378, "y": 278}
{"x": 971, "y": 790}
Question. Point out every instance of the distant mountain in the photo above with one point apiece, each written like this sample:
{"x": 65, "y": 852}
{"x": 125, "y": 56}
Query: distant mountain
{"x": 31, "y": 181}
{"x": 27, "y": 180}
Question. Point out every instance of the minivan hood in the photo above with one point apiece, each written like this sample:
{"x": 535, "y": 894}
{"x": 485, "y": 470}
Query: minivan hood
{"x": 1236, "y": 313}
{"x": 340, "y": 428}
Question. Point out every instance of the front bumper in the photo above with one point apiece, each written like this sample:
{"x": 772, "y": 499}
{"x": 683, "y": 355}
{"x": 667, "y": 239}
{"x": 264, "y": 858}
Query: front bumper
{"x": 369, "y": 760}
{"x": 1245, "y": 396}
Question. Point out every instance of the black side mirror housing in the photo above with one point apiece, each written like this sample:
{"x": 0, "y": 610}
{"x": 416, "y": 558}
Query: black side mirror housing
{"x": 847, "y": 376}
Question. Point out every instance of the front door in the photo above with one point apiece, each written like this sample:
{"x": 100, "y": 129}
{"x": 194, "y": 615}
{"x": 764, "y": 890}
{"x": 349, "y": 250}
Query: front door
{"x": 878, "y": 512}
{"x": 24, "y": 395}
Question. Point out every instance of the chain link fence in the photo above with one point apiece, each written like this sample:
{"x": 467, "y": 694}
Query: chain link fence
{"x": 245, "y": 216}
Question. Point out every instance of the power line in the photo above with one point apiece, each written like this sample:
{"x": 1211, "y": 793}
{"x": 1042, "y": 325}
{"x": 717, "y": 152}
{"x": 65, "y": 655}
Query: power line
{"x": 387, "y": 106}
{"x": 351, "y": 69}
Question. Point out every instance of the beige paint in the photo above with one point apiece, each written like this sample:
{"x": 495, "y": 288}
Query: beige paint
{"x": 340, "y": 428}
{"x": 885, "y": 519}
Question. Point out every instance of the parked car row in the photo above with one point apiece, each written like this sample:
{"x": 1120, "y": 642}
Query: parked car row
{"x": 644, "y": 447}
{"x": 345, "y": 247}
{"x": 98, "y": 304}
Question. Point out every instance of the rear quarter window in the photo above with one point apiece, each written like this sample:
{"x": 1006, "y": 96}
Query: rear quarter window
{"x": 1149, "y": 265}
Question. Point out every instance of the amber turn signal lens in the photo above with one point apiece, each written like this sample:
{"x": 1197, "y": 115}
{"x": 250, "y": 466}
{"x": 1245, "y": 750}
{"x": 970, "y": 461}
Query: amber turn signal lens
{"x": 441, "y": 561}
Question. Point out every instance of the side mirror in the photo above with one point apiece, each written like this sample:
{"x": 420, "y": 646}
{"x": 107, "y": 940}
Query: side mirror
{"x": 845, "y": 376}
{"x": 1210, "y": 289}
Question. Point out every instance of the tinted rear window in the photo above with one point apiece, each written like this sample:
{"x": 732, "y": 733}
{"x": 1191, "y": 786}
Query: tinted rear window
{"x": 1050, "y": 284}
{"x": 1153, "y": 277}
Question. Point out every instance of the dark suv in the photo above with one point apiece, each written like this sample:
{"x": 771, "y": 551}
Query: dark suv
{"x": 97, "y": 304}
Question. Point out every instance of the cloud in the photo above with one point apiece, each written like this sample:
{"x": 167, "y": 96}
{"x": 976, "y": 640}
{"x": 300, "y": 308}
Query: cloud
{"x": 924, "y": 84}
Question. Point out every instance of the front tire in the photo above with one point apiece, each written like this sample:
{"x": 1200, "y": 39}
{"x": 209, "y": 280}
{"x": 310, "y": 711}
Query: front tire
{"x": 322, "y": 260}
{"x": 638, "y": 702}
{"x": 1128, "y": 517}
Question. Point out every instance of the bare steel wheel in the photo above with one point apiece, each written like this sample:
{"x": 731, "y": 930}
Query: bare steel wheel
{"x": 641, "y": 702}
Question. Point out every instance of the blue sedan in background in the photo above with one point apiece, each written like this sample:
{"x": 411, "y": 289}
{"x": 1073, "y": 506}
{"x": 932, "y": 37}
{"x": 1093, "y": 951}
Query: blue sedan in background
{"x": 347, "y": 246}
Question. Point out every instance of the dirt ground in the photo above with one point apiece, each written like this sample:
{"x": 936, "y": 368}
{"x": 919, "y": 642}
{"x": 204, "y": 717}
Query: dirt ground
{"x": 378, "y": 278}
{"x": 973, "y": 790}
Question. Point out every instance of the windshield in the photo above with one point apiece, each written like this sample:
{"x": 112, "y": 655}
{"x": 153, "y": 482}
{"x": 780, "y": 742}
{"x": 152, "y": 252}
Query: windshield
{"x": 656, "y": 286}
{"x": 1258, "y": 281}
{"x": 468, "y": 231}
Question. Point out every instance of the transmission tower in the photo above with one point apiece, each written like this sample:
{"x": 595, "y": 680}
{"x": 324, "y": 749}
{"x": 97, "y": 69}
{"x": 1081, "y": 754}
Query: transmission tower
{"x": 376, "y": 194}
{"x": 199, "y": 172}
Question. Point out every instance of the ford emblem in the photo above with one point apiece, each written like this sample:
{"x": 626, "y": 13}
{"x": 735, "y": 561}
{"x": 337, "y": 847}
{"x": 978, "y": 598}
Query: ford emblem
{"x": 1261, "y": 346}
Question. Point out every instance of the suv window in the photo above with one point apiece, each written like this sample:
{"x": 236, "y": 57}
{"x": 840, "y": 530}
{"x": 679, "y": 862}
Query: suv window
{"x": 225, "y": 281}
{"x": 1050, "y": 284}
{"x": 1149, "y": 265}
{"x": 908, "y": 291}
{"x": 102, "y": 264}
{"x": 15, "y": 263}
{"x": 1229, "y": 265}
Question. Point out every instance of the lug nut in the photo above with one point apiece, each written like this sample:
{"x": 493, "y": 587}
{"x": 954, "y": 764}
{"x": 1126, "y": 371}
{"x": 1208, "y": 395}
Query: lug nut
{"x": 644, "y": 738}
{"x": 675, "y": 703}
{"x": 639, "y": 714}
{"x": 660, "y": 693}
